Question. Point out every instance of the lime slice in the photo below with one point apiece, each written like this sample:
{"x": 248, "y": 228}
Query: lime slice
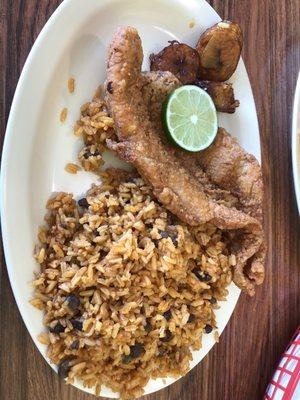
{"x": 190, "y": 118}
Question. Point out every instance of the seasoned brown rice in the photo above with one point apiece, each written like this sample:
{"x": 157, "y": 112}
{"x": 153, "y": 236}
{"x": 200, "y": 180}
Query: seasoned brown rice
{"x": 95, "y": 126}
{"x": 71, "y": 85}
{"x": 63, "y": 115}
{"x": 72, "y": 168}
{"x": 127, "y": 290}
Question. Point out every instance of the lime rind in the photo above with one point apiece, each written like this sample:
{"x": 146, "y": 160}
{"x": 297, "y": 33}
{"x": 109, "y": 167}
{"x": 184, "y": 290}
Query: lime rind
{"x": 190, "y": 118}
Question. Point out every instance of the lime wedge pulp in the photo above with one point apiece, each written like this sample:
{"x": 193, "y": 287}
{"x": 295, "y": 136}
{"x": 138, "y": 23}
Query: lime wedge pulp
{"x": 190, "y": 118}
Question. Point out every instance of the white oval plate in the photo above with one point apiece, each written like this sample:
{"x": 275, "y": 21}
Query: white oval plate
{"x": 37, "y": 146}
{"x": 296, "y": 142}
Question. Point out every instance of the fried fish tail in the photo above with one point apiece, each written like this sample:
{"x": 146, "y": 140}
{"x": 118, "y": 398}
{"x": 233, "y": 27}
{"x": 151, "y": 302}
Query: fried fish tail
{"x": 229, "y": 166}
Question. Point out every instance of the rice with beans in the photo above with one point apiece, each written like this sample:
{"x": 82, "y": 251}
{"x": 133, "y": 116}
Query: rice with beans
{"x": 95, "y": 126}
{"x": 127, "y": 289}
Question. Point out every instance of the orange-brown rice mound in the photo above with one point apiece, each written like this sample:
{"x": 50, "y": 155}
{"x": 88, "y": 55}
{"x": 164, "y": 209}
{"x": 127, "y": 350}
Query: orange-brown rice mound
{"x": 127, "y": 290}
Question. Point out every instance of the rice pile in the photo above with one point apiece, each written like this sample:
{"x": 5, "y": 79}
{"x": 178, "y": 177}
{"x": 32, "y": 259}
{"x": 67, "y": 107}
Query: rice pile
{"x": 95, "y": 127}
{"x": 127, "y": 290}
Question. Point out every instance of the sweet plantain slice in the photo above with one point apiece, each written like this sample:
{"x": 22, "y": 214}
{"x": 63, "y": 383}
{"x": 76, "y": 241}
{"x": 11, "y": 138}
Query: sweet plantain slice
{"x": 178, "y": 58}
{"x": 222, "y": 95}
{"x": 220, "y": 49}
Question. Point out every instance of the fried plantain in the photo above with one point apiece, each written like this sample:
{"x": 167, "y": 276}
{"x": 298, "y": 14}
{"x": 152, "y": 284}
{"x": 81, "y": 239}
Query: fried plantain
{"x": 180, "y": 59}
{"x": 222, "y": 95}
{"x": 220, "y": 49}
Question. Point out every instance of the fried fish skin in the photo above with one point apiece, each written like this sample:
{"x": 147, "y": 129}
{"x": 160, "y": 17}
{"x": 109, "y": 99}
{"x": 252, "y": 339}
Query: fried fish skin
{"x": 180, "y": 59}
{"x": 219, "y": 48}
{"x": 141, "y": 142}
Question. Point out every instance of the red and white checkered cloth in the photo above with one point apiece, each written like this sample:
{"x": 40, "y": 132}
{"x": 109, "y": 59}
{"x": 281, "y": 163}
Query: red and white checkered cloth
{"x": 285, "y": 384}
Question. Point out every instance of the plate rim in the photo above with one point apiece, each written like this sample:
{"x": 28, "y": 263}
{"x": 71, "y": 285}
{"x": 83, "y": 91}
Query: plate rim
{"x": 5, "y": 165}
{"x": 296, "y": 142}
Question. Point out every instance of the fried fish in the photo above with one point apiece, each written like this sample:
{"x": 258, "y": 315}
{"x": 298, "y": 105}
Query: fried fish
{"x": 170, "y": 171}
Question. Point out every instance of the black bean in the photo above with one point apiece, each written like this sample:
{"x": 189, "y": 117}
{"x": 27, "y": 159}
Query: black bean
{"x": 109, "y": 87}
{"x": 174, "y": 239}
{"x": 102, "y": 255}
{"x": 213, "y": 300}
{"x": 206, "y": 277}
{"x": 172, "y": 235}
{"x": 72, "y": 302}
{"x": 64, "y": 368}
{"x": 83, "y": 203}
{"x": 77, "y": 324}
{"x": 89, "y": 154}
{"x": 131, "y": 180}
{"x": 164, "y": 235}
{"x": 167, "y": 315}
{"x": 191, "y": 319}
{"x": 58, "y": 328}
{"x": 168, "y": 336}
{"x": 208, "y": 329}
{"x": 135, "y": 352}
{"x": 127, "y": 359}
{"x": 155, "y": 241}
{"x": 75, "y": 345}
{"x": 196, "y": 272}
{"x": 172, "y": 219}
{"x": 148, "y": 327}
{"x": 202, "y": 276}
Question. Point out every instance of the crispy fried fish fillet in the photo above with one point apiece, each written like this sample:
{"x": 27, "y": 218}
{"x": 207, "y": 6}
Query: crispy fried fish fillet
{"x": 228, "y": 167}
{"x": 232, "y": 168}
{"x": 141, "y": 143}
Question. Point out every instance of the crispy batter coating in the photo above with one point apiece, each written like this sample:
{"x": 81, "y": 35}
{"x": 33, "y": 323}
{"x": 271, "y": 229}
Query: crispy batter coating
{"x": 220, "y": 49}
{"x": 180, "y": 59}
{"x": 141, "y": 143}
{"x": 222, "y": 95}
{"x": 228, "y": 165}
